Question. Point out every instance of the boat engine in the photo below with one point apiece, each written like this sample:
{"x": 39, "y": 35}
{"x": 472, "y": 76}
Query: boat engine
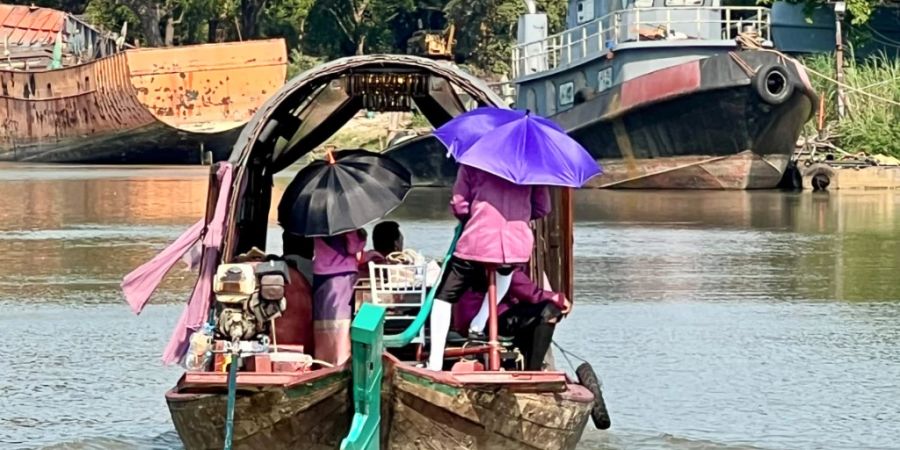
{"x": 248, "y": 297}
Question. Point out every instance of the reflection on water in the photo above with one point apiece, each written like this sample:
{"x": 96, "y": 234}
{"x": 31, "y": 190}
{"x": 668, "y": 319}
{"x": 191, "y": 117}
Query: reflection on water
{"x": 716, "y": 319}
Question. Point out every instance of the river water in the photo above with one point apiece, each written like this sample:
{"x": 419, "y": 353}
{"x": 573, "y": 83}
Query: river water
{"x": 717, "y": 320}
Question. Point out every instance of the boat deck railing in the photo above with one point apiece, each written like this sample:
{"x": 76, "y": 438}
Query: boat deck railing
{"x": 604, "y": 34}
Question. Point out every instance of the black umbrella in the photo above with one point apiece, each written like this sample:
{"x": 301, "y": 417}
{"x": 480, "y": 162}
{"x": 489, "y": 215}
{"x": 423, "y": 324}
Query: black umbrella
{"x": 346, "y": 192}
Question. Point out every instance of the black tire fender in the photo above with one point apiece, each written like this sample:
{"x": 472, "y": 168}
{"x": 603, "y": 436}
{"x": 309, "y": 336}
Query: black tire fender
{"x": 773, "y": 84}
{"x": 819, "y": 176}
{"x": 588, "y": 379}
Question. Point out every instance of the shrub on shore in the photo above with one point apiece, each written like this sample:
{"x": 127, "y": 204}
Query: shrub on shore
{"x": 871, "y": 124}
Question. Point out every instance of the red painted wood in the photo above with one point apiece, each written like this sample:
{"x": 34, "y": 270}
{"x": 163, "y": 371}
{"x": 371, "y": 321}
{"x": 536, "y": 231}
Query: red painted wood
{"x": 466, "y": 351}
{"x": 259, "y": 364}
{"x": 493, "y": 339}
{"x": 294, "y": 327}
{"x": 253, "y": 379}
{"x": 469, "y": 365}
{"x": 530, "y": 381}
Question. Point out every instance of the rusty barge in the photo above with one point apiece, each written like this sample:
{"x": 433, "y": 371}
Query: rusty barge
{"x": 70, "y": 94}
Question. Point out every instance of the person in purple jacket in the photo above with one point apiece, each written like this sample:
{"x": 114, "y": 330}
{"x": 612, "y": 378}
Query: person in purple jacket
{"x": 528, "y": 314}
{"x": 496, "y": 236}
{"x": 334, "y": 275}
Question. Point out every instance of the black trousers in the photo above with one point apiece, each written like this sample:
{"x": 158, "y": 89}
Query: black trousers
{"x": 531, "y": 327}
{"x": 462, "y": 275}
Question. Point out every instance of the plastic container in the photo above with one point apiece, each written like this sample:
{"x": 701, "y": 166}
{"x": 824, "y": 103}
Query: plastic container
{"x": 199, "y": 352}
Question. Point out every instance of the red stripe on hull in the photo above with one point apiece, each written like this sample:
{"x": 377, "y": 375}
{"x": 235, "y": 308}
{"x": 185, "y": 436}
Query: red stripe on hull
{"x": 660, "y": 85}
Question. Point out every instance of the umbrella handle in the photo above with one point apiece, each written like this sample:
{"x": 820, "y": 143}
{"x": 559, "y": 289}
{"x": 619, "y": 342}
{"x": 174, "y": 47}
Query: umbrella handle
{"x": 403, "y": 339}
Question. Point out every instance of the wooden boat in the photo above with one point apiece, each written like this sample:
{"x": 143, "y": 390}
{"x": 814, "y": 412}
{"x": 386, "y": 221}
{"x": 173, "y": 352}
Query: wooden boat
{"x": 481, "y": 410}
{"x": 273, "y": 411}
{"x": 124, "y": 105}
{"x": 461, "y": 408}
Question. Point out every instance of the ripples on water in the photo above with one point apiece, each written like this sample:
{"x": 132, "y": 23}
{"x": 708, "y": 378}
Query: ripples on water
{"x": 717, "y": 320}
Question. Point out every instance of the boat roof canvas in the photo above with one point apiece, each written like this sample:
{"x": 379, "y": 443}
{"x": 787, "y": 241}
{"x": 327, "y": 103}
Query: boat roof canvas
{"x": 310, "y": 108}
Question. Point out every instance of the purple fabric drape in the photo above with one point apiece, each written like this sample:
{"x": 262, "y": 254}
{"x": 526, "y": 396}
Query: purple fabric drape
{"x": 139, "y": 285}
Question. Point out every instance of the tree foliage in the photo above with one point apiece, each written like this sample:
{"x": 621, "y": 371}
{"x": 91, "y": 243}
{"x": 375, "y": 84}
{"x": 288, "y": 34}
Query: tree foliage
{"x": 860, "y": 10}
{"x": 485, "y": 29}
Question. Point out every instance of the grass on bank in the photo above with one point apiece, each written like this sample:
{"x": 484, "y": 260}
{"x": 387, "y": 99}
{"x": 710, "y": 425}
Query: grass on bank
{"x": 870, "y": 125}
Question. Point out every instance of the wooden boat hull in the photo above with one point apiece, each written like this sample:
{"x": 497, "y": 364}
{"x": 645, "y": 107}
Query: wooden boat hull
{"x": 434, "y": 411}
{"x": 143, "y": 106}
{"x": 313, "y": 413}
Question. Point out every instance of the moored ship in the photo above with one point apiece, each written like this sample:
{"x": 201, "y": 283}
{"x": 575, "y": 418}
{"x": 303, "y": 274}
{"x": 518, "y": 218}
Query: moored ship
{"x": 680, "y": 94}
{"x": 69, "y": 93}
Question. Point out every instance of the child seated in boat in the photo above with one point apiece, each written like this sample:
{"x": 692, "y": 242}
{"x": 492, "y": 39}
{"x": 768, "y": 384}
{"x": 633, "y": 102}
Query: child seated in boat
{"x": 386, "y": 239}
{"x": 335, "y": 272}
{"x": 527, "y": 313}
{"x": 387, "y": 243}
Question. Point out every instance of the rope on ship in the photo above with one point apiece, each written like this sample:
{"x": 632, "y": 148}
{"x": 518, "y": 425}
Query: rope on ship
{"x": 851, "y": 88}
{"x": 750, "y": 40}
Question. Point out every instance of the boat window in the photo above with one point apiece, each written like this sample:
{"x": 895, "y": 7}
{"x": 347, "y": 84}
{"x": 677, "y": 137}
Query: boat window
{"x": 604, "y": 79}
{"x": 684, "y": 2}
{"x": 531, "y": 100}
{"x": 643, "y": 3}
{"x": 585, "y": 11}
{"x": 551, "y": 98}
{"x": 566, "y": 93}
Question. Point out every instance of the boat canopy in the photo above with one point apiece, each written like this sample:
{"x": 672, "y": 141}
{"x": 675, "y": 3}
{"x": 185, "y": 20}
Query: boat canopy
{"x": 310, "y": 108}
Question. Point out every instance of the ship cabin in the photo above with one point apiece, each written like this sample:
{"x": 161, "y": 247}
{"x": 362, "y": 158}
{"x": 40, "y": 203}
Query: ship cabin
{"x": 606, "y": 43}
{"x": 29, "y": 36}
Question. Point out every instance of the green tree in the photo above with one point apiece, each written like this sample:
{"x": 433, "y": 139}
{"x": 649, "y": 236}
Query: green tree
{"x": 351, "y": 27}
{"x": 860, "y": 10}
{"x": 287, "y": 19}
{"x": 487, "y": 29}
{"x": 73, "y": 6}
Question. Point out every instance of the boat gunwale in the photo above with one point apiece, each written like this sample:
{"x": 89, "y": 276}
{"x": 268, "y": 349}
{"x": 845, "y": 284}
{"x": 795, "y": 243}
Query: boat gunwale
{"x": 630, "y": 47}
{"x": 137, "y": 50}
{"x": 558, "y": 382}
{"x": 630, "y": 109}
{"x": 287, "y": 380}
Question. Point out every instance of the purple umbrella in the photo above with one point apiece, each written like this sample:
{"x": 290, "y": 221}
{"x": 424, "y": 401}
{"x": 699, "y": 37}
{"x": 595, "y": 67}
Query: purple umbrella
{"x": 517, "y": 146}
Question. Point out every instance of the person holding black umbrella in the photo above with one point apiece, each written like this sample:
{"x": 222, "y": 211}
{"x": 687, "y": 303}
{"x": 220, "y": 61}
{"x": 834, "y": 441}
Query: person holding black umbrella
{"x": 331, "y": 201}
{"x": 334, "y": 275}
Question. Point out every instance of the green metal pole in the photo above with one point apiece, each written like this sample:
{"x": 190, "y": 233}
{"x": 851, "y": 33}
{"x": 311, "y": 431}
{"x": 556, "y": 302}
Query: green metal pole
{"x": 404, "y": 338}
{"x": 232, "y": 394}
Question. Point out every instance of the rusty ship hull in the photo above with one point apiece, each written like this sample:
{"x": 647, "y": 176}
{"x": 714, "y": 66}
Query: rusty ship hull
{"x": 140, "y": 106}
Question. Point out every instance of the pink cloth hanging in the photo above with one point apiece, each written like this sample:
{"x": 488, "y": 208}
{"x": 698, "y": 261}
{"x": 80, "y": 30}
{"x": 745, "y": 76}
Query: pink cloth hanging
{"x": 140, "y": 284}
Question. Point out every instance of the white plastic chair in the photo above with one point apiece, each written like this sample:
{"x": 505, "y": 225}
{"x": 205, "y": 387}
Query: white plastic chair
{"x": 399, "y": 286}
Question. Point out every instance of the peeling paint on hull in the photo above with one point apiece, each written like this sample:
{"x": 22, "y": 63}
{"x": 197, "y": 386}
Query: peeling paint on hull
{"x": 144, "y": 106}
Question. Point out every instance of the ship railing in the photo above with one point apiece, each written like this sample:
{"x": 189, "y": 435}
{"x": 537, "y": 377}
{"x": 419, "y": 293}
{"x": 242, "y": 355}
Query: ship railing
{"x": 603, "y": 34}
